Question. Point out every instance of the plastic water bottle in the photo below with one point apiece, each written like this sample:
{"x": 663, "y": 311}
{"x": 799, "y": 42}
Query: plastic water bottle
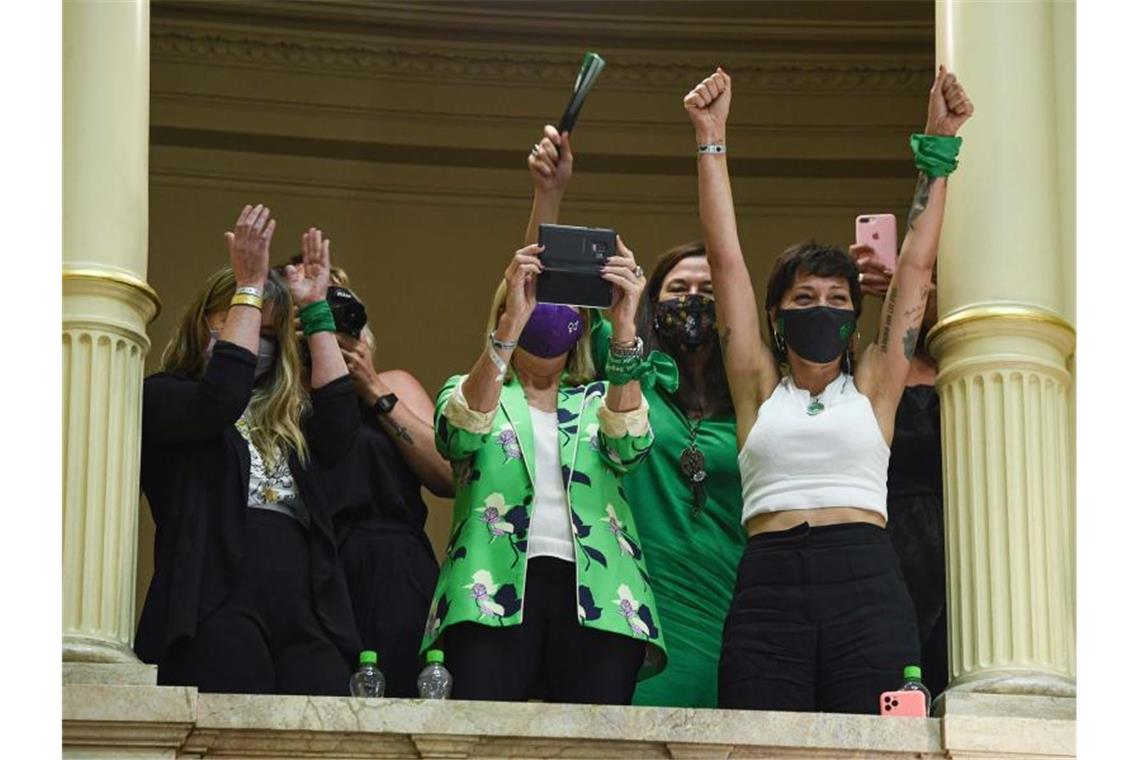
{"x": 367, "y": 681}
{"x": 434, "y": 681}
{"x": 912, "y": 681}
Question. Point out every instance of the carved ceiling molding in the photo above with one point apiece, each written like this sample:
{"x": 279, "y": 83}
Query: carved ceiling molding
{"x": 516, "y": 66}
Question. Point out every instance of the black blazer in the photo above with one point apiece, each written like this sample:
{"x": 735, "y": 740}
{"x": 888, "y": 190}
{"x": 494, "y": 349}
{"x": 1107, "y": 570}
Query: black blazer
{"x": 195, "y": 474}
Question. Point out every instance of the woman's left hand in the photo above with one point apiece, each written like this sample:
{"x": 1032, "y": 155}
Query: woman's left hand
{"x": 628, "y": 280}
{"x": 948, "y": 107}
{"x": 309, "y": 281}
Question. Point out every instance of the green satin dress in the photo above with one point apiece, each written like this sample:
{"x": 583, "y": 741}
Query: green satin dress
{"x": 691, "y": 555}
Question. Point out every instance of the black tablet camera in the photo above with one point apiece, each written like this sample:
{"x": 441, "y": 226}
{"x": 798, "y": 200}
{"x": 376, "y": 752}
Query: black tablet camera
{"x": 572, "y": 261}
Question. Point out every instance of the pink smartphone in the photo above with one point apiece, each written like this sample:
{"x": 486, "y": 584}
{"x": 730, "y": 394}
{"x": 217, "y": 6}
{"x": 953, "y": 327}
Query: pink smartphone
{"x": 878, "y": 231}
{"x": 906, "y": 704}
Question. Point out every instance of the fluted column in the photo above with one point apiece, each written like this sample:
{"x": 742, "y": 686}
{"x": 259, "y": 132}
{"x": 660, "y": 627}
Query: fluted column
{"x": 1003, "y": 344}
{"x": 106, "y": 307}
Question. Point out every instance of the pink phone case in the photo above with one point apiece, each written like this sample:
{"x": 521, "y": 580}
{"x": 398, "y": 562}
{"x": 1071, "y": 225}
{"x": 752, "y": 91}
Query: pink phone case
{"x": 904, "y": 704}
{"x": 878, "y": 231}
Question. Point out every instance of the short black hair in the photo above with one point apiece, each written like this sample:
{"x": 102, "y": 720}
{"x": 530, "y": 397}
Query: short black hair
{"x": 810, "y": 258}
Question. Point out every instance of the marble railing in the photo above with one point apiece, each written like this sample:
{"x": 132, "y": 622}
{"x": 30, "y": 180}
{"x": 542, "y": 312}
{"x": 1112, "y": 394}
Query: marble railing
{"x": 172, "y": 722}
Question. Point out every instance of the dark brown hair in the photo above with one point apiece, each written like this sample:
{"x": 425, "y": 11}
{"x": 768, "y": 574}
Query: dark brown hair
{"x": 717, "y": 399}
{"x": 810, "y": 258}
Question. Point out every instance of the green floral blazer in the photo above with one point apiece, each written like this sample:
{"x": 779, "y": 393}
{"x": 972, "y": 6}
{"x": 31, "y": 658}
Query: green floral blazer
{"x": 483, "y": 577}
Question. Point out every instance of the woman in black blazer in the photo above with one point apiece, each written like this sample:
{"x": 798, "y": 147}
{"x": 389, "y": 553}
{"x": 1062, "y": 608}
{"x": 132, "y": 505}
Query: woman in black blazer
{"x": 247, "y": 594}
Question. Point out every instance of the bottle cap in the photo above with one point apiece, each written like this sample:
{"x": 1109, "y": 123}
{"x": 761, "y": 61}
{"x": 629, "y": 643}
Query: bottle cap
{"x": 368, "y": 657}
{"x": 434, "y": 655}
{"x": 912, "y": 673}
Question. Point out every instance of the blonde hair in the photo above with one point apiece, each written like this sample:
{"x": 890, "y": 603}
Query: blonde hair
{"x": 277, "y": 406}
{"x": 579, "y": 364}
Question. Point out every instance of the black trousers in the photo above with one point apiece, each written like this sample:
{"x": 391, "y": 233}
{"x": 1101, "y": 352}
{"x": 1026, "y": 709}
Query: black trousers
{"x": 916, "y": 530}
{"x": 549, "y": 654}
{"x": 265, "y": 638}
{"x": 391, "y": 576}
{"x": 820, "y": 621}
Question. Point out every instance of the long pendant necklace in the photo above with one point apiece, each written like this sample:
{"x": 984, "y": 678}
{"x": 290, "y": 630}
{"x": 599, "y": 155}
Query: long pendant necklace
{"x": 693, "y": 465}
{"x": 816, "y": 406}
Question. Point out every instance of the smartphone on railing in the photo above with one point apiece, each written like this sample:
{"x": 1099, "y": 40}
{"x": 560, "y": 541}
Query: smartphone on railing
{"x": 902, "y": 704}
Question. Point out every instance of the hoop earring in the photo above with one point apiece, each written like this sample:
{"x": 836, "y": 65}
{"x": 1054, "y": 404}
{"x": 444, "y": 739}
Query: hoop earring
{"x": 849, "y": 360}
{"x": 781, "y": 343}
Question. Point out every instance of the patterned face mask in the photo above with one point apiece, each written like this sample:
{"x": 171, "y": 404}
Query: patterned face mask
{"x": 687, "y": 323}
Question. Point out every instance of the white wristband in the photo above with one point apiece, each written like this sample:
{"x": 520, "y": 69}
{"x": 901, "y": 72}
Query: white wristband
{"x": 712, "y": 148}
{"x": 248, "y": 290}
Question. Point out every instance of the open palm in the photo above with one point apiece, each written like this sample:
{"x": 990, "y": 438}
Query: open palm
{"x": 309, "y": 280}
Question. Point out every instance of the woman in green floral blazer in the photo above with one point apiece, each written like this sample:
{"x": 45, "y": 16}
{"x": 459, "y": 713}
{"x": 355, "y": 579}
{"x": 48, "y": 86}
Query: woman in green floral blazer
{"x": 544, "y": 590}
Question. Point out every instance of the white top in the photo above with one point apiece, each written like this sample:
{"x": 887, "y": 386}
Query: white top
{"x": 549, "y": 534}
{"x": 794, "y": 460}
{"x": 271, "y": 484}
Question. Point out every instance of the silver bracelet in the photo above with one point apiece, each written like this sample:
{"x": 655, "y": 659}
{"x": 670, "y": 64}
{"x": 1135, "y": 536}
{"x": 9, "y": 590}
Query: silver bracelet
{"x": 500, "y": 363}
{"x": 506, "y": 345}
{"x": 717, "y": 148}
{"x": 248, "y": 290}
{"x": 635, "y": 348}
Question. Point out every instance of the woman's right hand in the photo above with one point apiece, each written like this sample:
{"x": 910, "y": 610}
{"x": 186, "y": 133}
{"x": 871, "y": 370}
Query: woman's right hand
{"x": 707, "y": 105}
{"x": 521, "y": 278}
{"x": 249, "y": 246}
{"x": 551, "y": 162}
{"x": 874, "y": 277}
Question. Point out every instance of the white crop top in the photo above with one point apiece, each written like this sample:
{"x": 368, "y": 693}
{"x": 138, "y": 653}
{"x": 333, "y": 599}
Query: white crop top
{"x": 796, "y": 460}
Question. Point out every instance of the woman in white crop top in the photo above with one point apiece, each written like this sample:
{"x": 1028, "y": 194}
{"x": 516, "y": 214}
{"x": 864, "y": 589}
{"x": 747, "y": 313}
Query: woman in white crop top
{"x": 820, "y": 619}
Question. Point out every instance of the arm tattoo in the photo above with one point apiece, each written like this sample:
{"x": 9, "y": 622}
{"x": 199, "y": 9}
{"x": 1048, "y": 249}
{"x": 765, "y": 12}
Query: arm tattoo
{"x": 921, "y": 198}
{"x": 892, "y": 298}
{"x": 910, "y": 340}
{"x": 400, "y": 431}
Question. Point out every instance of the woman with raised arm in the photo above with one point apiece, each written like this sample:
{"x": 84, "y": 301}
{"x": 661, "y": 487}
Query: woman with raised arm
{"x": 539, "y": 452}
{"x": 686, "y": 495}
{"x": 247, "y": 594}
{"x": 821, "y": 619}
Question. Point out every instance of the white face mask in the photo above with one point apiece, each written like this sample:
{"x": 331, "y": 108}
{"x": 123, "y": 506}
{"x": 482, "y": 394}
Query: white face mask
{"x": 266, "y": 353}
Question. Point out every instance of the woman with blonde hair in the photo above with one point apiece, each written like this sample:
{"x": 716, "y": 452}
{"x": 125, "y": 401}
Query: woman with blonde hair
{"x": 539, "y": 450}
{"x": 247, "y": 595}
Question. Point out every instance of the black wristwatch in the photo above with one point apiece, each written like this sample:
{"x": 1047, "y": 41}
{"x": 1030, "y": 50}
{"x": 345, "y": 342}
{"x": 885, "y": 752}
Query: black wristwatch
{"x": 385, "y": 404}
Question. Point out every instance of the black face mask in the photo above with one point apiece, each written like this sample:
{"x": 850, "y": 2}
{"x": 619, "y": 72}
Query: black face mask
{"x": 818, "y": 334}
{"x": 687, "y": 323}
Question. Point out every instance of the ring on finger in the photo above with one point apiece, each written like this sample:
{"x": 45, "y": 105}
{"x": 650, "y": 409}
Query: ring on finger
{"x": 638, "y": 272}
{"x": 534, "y": 150}
{"x": 860, "y": 278}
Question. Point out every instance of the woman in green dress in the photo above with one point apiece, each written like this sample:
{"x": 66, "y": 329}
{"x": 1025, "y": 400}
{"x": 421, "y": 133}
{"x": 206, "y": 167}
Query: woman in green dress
{"x": 686, "y": 495}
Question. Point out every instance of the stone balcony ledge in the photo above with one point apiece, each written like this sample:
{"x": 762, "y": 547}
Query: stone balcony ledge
{"x": 172, "y": 722}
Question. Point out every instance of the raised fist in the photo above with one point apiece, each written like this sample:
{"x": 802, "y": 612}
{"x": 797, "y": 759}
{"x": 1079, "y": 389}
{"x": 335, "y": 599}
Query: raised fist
{"x": 707, "y": 106}
{"x": 948, "y": 107}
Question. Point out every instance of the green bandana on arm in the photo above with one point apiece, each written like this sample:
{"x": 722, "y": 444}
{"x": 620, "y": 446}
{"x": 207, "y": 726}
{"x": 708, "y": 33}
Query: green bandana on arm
{"x": 935, "y": 155}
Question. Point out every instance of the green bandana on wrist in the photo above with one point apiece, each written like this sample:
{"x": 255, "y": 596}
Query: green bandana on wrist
{"x": 935, "y": 155}
{"x": 658, "y": 368}
{"x": 317, "y": 317}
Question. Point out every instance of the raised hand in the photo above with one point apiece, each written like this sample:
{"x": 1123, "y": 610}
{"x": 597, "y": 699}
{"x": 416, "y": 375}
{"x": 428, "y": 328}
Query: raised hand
{"x": 628, "y": 280}
{"x": 874, "y": 277}
{"x": 521, "y": 278}
{"x": 948, "y": 107}
{"x": 249, "y": 246}
{"x": 309, "y": 281}
{"x": 551, "y": 161}
{"x": 707, "y": 105}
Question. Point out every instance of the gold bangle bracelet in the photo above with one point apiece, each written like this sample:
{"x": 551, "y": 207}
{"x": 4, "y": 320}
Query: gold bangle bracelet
{"x": 243, "y": 299}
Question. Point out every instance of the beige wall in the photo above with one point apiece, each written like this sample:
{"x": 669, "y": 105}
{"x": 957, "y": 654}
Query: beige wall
{"x": 401, "y": 130}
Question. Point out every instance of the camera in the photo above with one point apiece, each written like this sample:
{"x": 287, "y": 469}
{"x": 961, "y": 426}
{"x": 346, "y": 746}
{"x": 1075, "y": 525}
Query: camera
{"x": 347, "y": 310}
